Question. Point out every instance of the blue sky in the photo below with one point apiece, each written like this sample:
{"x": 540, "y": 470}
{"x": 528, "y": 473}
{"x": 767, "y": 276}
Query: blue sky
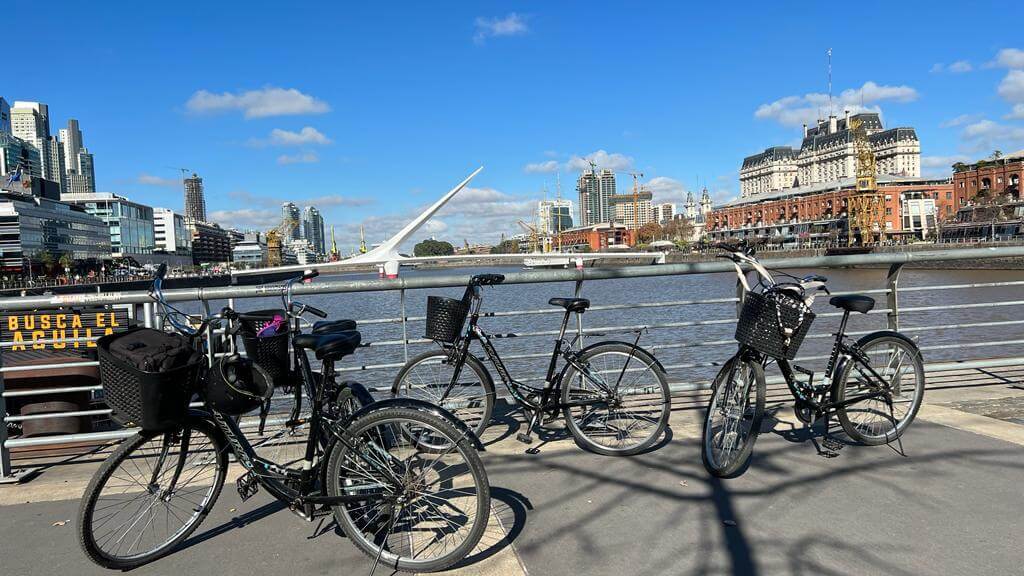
{"x": 373, "y": 110}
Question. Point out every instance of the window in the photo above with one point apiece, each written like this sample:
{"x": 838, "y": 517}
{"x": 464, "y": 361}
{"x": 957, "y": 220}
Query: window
{"x": 949, "y": 195}
{"x": 888, "y": 211}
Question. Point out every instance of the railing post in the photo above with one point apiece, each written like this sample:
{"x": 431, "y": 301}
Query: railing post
{"x": 892, "y": 296}
{"x": 405, "y": 324}
{"x": 147, "y": 314}
{"x": 8, "y": 475}
{"x": 579, "y": 317}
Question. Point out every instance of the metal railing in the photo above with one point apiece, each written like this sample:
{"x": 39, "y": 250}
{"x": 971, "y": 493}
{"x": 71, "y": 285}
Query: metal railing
{"x": 684, "y": 333}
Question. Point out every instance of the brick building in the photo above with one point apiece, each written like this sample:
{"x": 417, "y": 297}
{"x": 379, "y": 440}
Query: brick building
{"x": 818, "y": 213}
{"x": 598, "y": 237}
{"x": 993, "y": 177}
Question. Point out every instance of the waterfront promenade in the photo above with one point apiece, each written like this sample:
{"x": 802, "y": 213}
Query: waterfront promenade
{"x": 951, "y": 507}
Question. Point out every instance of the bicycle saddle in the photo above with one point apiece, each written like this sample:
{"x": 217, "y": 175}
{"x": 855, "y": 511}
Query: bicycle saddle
{"x": 331, "y": 345}
{"x": 327, "y": 326}
{"x": 571, "y": 304}
{"x": 853, "y": 303}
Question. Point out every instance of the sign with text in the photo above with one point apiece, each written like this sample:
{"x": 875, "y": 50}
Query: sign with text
{"x": 58, "y": 330}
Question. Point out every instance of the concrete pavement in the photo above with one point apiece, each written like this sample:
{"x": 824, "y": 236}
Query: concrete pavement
{"x": 952, "y": 506}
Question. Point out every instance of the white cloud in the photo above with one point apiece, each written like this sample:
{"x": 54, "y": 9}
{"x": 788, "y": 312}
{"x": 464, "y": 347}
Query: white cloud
{"x": 327, "y": 201}
{"x": 306, "y": 136}
{"x": 940, "y": 166}
{"x": 247, "y": 218}
{"x": 1009, "y": 58}
{"x": 959, "y": 120}
{"x": 806, "y": 109}
{"x": 665, "y": 189}
{"x": 1017, "y": 113}
{"x": 150, "y": 180}
{"x": 1012, "y": 86}
{"x": 988, "y": 135}
{"x": 603, "y": 159}
{"x": 546, "y": 167}
{"x": 268, "y": 101}
{"x": 300, "y": 158}
{"x": 511, "y": 25}
{"x": 958, "y": 67}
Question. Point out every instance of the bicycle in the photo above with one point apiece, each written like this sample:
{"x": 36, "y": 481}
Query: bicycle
{"x": 408, "y": 509}
{"x": 873, "y": 386}
{"x": 609, "y": 407}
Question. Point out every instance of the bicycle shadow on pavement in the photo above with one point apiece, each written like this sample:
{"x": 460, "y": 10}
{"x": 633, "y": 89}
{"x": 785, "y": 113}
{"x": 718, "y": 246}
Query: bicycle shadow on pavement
{"x": 236, "y": 522}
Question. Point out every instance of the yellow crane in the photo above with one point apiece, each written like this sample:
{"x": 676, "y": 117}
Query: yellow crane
{"x": 865, "y": 207}
{"x": 532, "y": 231}
{"x": 636, "y": 198}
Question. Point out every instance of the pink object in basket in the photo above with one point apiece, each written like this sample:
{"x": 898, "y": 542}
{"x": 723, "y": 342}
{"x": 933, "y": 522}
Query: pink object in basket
{"x": 272, "y": 328}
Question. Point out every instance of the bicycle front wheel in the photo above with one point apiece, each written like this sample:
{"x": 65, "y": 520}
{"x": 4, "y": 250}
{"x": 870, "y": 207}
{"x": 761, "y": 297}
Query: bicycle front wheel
{"x": 733, "y": 419}
{"x": 428, "y": 377}
{"x": 619, "y": 403}
{"x": 884, "y": 418}
{"x": 151, "y": 494}
{"x": 424, "y": 510}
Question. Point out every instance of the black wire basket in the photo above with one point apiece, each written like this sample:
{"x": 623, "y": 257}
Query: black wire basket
{"x": 445, "y": 317}
{"x": 759, "y": 326}
{"x": 268, "y": 352}
{"x": 153, "y": 401}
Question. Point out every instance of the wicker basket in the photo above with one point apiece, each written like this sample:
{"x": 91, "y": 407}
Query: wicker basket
{"x": 445, "y": 317}
{"x": 759, "y": 328}
{"x": 150, "y": 400}
{"x": 268, "y": 352}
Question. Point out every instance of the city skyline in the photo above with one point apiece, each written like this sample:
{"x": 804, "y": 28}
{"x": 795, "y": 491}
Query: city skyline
{"x": 264, "y": 131}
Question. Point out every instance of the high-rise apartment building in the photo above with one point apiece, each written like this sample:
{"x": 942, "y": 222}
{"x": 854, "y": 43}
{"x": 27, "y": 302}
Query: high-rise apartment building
{"x": 195, "y": 202}
{"x": 79, "y": 171}
{"x": 30, "y": 121}
{"x": 313, "y": 229}
{"x": 5, "y": 115}
{"x": 290, "y": 219}
{"x": 607, "y": 178}
{"x": 623, "y": 206}
{"x": 170, "y": 233}
{"x": 589, "y": 188}
{"x": 662, "y": 213}
{"x": 554, "y": 216}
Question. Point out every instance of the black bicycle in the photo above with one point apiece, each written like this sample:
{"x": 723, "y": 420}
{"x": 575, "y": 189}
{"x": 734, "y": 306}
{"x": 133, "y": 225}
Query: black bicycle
{"x": 874, "y": 386}
{"x": 407, "y": 507}
{"x": 613, "y": 395}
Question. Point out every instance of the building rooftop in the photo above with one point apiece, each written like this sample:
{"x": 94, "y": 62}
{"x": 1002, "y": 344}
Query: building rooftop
{"x": 882, "y": 180}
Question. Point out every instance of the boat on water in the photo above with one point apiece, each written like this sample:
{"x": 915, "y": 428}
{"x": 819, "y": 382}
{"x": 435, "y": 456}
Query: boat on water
{"x": 547, "y": 261}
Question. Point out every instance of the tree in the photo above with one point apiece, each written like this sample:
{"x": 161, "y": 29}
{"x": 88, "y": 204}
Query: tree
{"x": 506, "y": 247}
{"x": 431, "y": 247}
{"x": 66, "y": 261}
{"x": 45, "y": 260}
{"x": 650, "y": 232}
{"x": 679, "y": 229}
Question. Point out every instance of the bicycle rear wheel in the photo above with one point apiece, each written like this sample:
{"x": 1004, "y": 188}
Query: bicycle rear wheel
{"x": 151, "y": 494}
{"x": 622, "y": 402}
{"x": 434, "y": 514}
{"x": 733, "y": 419}
{"x": 877, "y": 421}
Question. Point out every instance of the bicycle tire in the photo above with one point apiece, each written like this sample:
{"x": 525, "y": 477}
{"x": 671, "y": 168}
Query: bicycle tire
{"x": 88, "y": 508}
{"x": 839, "y": 391}
{"x": 657, "y": 391}
{"x": 476, "y": 419}
{"x": 720, "y": 388}
{"x": 362, "y": 429}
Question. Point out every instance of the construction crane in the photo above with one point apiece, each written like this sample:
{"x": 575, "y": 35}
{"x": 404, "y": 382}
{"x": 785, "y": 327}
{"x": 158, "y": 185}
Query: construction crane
{"x": 335, "y": 255}
{"x": 534, "y": 235}
{"x": 636, "y": 198}
{"x": 362, "y": 240}
{"x": 865, "y": 207}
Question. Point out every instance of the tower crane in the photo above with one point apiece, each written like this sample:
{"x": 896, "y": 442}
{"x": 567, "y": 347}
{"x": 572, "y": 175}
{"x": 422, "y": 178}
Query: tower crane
{"x": 532, "y": 231}
{"x": 636, "y": 199}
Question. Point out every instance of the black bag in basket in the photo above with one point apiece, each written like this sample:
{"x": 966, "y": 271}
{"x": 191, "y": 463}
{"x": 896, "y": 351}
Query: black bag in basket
{"x": 148, "y": 377}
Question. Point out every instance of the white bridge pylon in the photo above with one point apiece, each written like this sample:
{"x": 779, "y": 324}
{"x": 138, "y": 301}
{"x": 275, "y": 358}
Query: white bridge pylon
{"x": 388, "y": 251}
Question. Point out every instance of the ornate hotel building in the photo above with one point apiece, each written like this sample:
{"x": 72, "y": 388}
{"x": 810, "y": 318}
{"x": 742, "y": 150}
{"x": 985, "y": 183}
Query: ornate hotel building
{"x": 828, "y": 154}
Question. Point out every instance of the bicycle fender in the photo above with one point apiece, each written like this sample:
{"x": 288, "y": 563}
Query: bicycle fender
{"x": 631, "y": 345}
{"x": 422, "y": 406}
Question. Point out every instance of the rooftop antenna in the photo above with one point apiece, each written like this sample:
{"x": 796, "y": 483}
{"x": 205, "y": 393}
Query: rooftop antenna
{"x": 830, "y": 83}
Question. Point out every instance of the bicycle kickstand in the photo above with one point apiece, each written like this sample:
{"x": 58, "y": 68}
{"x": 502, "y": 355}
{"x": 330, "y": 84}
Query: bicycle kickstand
{"x": 899, "y": 438}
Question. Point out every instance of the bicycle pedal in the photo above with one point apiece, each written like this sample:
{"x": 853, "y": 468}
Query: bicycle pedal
{"x": 533, "y": 450}
{"x": 827, "y": 453}
{"x": 832, "y": 445}
{"x": 524, "y": 438}
{"x": 247, "y": 486}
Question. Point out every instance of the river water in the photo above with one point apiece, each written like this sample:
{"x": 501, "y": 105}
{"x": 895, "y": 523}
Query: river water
{"x": 691, "y": 351}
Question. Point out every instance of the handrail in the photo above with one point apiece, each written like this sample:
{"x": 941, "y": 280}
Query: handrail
{"x": 531, "y": 277}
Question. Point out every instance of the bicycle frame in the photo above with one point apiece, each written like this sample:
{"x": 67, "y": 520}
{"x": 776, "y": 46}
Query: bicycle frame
{"x": 550, "y": 392}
